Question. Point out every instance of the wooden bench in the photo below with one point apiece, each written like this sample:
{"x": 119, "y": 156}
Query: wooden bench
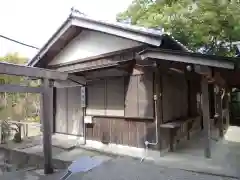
{"x": 173, "y": 126}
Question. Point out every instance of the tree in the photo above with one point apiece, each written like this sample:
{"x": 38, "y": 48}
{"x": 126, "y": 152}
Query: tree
{"x": 18, "y": 106}
{"x": 208, "y": 26}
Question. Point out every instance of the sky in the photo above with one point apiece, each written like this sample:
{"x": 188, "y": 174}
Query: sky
{"x": 34, "y": 21}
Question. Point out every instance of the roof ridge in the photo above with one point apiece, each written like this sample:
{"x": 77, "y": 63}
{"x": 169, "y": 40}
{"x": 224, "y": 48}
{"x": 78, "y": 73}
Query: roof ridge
{"x": 146, "y": 30}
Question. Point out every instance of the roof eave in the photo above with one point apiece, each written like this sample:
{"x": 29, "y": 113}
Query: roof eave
{"x": 125, "y": 33}
{"x": 135, "y": 34}
{"x": 50, "y": 42}
{"x": 186, "y": 58}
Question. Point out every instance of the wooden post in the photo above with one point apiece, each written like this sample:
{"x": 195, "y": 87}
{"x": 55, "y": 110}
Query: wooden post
{"x": 26, "y": 131}
{"x": 206, "y": 120}
{"x": 47, "y": 116}
{"x": 1, "y": 137}
{"x": 228, "y": 107}
{"x": 157, "y": 99}
{"x": 83, "y": 105}
{"x": 218, "y": 106}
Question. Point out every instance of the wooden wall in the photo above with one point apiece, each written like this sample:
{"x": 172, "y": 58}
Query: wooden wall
{"x": 129, "y": 96}
{"x": 194, "y": 89}
{"x": 179, "y": 98}
{"x": 182, "y": 133}
{"x": 106, "y": 97}
{"x": 122, "y": 110}
{"x": 139, "y": 95}
{"x": 68, "y": 115}
{"x": 130, "y": 132}
{"x": 174, "y": 96}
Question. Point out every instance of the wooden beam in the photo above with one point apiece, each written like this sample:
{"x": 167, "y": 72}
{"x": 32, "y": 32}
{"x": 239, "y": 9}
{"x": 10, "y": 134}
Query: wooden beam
{"x": 206, "y": 117}
{"x": 186, "y": 58}
{"x": 105, "y": 73}
{"x": 87, "y": 66}
{"x": 18, "y": 70}
{"x": 47, "y": 118}
{"x": 203, "y": 70}
{"x": 13, "y": 88}
{"x": 125, "y": 54}
{"x": 219, "y": 77}
{"x": 77, "y": 79}
{"x": 65, "y": 84}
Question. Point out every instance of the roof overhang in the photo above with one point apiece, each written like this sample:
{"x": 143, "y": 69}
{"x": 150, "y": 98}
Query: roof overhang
{"x": 115, "y": 30}
{"x": 74, "y": 25}
{"x": 188, "y": 57}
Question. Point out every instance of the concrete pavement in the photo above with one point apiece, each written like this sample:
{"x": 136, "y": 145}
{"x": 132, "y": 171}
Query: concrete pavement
{"x": 120, "y": 169}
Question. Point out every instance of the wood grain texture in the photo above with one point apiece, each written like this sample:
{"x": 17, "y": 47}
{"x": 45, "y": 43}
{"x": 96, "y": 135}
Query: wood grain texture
{"x": 69, "y": 114}
{"x": 174, "y": 97}
{"x": 120, "y": 131}
{"x": 12, "y": 88}
{"x": 20, "y": 70}
{"x": 206, "y": 117}
{"x": 47, "y": 119}
{"x": 139, "y": 95}
{"x": 61, "y": 110}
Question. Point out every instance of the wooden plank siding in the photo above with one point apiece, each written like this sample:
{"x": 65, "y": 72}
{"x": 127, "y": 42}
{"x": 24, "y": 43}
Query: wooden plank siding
{"x": 174, "y": 96}
{"x": 96, "y": 98}
{"x": 126, "y": 110}
{"x": 131, "y": 106}
{"x": 68, "y": 111}
{"x": 179, "y": 96}
{"x": 122, "y": 108}
{"x": 194, "y": 88}
{"x": 139, "y": 96}
{"x": 106, "y": 97}
{"x": 61, "y": 113}
{"x": 115, "y": 97}
{"x": 130, "y": 132}
{"x": 74, "y": 111}
{"x": 130, "y": 97}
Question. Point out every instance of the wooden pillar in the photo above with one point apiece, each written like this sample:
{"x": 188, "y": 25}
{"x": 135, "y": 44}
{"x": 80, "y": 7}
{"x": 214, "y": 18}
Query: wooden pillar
{"x": 157, "y": 104}
{"x": 47, "y": 119}
{"x": 228, "y": 107}
{"x": 84, "y": 106}
{"x": 218, "y": 106}
{"x": 1, "y": 137}
{"x": 51, "y": 106}
{"x": 206, "y": 119}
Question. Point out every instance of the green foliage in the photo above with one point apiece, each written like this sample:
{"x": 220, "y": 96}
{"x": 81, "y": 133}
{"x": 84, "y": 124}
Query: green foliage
{"x": 199, "y": 24}
{"x": 17, "y": 106}
{"x": 13, "y": 59}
